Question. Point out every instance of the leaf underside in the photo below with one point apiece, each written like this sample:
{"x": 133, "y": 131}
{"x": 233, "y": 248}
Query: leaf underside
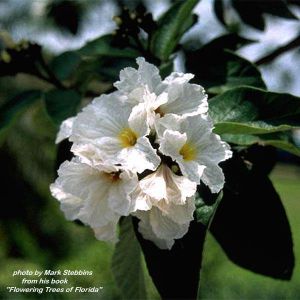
{"x": 250, "y": 223}
{"x": 175, "y": 272}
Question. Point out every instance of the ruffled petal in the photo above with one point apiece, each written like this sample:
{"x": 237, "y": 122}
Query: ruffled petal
{"x": 181, "y": 214}
{"x": 69, "y": 204}
{"x": 130, "y": 78}
{"x": 141, "y": 157}
{"x": 140, "y": 200}
{"x": 138, "y": 120}
{"x": 106, "y": 116}
{"x": 214, "y": 178}
{"x": 165, "y": 185}
{"x": 164, "y": 228}
{"x": 119, "y": 198}
{"x": 171, "y": 143}
{"x": 108, "y": 232}
{"x": 185, "y": 99}
{"x": 145, "y": 228}
{"x": 191, "y": 169}
{"x": 65, "y": 130}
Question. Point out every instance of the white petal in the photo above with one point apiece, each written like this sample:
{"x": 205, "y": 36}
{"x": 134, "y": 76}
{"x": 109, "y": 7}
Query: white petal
{"x": 144, "y": 227}
{"x": 214, "y": 150}
{"x": 191, "y": 169}
{"x": 154, "y": 185}
{"x": 130, "y": 78}
{"x": 214, "y": 178}
{"x": 164, "y": 184}
{"x": 140, "y": 200}
{"x": 119, "y": 198}
{"x": 89, "y": 185}
{"x": 178, "y": 77}
{"x": 164, "y": 228}
{"x": 88, "y": 154}
{"x": 181, "y": 214}
{"x": 138, "y": 120}
{"x": 106, "y": 116}
{"x": 65, "y": 130}
{"x": 185, "y": 99}
{"x": 107, "y": 233}
{"x": 69, "y": 204}
{"x": 140, "y": 157}
{"x": 169, "y": 121}
{"x": 179, "y": 188}
{"x": 172, "y": 142}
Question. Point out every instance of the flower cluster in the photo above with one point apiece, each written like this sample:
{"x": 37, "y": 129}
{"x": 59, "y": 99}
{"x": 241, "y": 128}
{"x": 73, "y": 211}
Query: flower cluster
{"x": 141, "y": 150}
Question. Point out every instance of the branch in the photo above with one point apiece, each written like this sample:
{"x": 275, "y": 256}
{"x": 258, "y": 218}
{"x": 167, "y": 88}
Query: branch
{"x": 270, "y": 57}
{"x": 51, "y": 77}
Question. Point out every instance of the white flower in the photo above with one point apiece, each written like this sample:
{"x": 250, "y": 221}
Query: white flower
{"x": 174, "y": 95}
{"x": 148, "y": 124}
{"x": 172, "y": 200}
{"x": 117, "y": 132}
{"x": 95, "y": 196}
{"x": 197, "y": 150}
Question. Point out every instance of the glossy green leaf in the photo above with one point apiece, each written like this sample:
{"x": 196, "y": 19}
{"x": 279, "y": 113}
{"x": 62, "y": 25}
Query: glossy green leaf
{"x": 61, "y": 104}
{"x": 250, "y": 110}
{"x": 256, "y": 127}
{"x": 239, "y": 71}
{"x": 127, "y": 263}
{"x": 219, "y": 69}
{"x": 263, "y": 140}
{"x": 103, "y": 47}
{"x": 251, "y": 224}
{"x": 15, "y": 105}
{"x": 171, "y": 27}
{"x": 206, "y": 204}
{"x": 65, "y": 64}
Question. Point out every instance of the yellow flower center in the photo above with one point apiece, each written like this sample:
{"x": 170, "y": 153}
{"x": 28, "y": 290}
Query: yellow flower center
{"x": 127, "y": 137}
{"x": 188, "y": 151}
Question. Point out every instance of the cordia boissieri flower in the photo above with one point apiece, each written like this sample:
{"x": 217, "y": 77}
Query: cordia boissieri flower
{"x": 172, "y": 199}
{"x": 97, "y": 196}
{"x": 141, "y": 150}
{"x": 197, "y": 150}
{"x": 117, "y": 131}
{"x": 173, "y": 95}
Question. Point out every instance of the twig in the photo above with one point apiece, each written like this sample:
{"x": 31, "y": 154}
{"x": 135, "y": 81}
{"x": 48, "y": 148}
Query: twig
{"x": 51, "y": 77}
{"x": 271, "y": 56}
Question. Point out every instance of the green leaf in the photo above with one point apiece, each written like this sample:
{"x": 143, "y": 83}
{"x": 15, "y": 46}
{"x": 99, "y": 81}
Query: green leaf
{"x": 171, "y": 27}
{"x": 103, "y": 46}
{"x": 15, "y": 105}
{"x": 65, "y": 64}
{"x": 127, "y": 263}
{"x": 251, "y": 224}
{"x": 61, "y": 104}
{"x": 258, "y": 127}
{"x": 166, "y": 69}
{"x": 239, "y": 71}
{"x": 251, "y": 12}
{"x": 219, "y": 69}
{"x": 247, "y": 110}
{"x": 264, "y": 140}
{"x": 206, "y": 205}
{"x": 175, "y": 272}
